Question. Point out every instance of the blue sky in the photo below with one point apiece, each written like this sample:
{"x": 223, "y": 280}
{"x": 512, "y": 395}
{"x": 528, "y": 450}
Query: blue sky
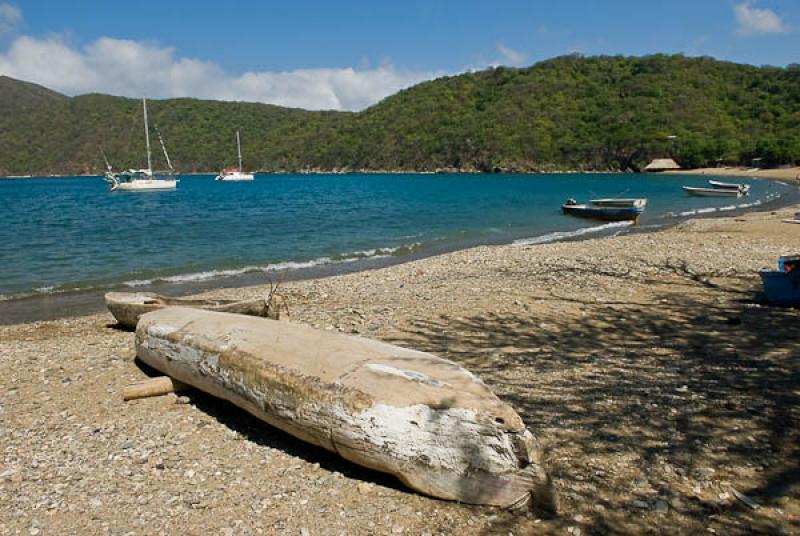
{"x": 348, "y": 54}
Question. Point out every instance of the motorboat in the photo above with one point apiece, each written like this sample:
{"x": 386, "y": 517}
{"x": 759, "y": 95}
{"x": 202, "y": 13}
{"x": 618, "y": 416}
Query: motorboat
{"x": 605, "y": 213}
{"x": 712, "y": 192}
{"x": 744, "y": 188}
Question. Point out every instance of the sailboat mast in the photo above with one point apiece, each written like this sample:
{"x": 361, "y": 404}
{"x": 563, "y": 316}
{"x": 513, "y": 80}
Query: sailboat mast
{"x": 239, "y": 148}
{"x": 147, "y": 136}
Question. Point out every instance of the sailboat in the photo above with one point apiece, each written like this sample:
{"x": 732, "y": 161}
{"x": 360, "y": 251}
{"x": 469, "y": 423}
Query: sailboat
{"x": 232, "y": 174}
{"x": 143, "y": 180}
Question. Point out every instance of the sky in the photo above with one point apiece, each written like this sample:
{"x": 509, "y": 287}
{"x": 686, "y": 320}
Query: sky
{"x": 350, "y": 54}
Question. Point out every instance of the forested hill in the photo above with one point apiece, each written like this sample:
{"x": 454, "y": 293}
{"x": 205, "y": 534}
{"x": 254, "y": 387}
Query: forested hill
{"x": 572, "y": 112}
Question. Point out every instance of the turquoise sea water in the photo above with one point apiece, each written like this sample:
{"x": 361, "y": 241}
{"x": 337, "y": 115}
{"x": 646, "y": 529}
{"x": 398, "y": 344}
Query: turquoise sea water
{"x": 60, "y": 235}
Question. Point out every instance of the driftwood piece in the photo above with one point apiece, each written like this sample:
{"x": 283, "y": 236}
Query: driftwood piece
{"x": 424, "y": 419}
{"x": 127, "y": 307}
{"x": 161, "y": 385}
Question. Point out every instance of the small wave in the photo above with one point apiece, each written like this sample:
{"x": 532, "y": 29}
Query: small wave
{"x": 216, "y": 274}
{"x": 354, "y": 256}
{"x": 561, "y": 235}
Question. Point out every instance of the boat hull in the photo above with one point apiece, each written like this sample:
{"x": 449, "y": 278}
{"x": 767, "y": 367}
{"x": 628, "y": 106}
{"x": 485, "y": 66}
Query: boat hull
{"x": 146, "y": 185}
{"x": 712, "y": 192}
{"x": 604, "y": 213}
{"x": 619, "y": 203}
{"x": 730, "y": 186}
{"x": 424, "y": 419}
{"x": 235, "y": 177}
{"x": 128, "y": 307}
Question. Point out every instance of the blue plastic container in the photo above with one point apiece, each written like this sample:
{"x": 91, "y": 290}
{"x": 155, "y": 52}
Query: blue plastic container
{"x": 782, "y": 288}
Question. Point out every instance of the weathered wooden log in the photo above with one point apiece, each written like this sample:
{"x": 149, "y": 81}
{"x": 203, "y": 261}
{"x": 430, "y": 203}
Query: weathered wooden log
{"x": 127, "y": 307}
{"x": 431, "y": 423}
{"x": 158, "y": 386}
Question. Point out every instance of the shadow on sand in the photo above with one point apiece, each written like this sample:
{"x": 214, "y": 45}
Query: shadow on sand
{"x": 651, "y": 415}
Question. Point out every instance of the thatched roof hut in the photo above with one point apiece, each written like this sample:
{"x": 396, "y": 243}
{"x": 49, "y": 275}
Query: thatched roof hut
{"x": 662, "y": 164}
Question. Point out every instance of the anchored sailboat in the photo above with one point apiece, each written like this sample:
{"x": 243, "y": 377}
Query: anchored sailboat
{"x": 137, "y": 180}
{"x": 232, "y": 174}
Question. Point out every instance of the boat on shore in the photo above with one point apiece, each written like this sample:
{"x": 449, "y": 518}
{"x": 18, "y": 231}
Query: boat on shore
{"x": 424, "y": 419}
{"x": 744, "y": 188}
{"x": 143, "y": 180}
{"x": 127, "y": 307}
{"x": 712, "y": 192}
{"x": 619, "y": 202}
{"x": 604, "y": 213}
{"x": 234, "y": 175}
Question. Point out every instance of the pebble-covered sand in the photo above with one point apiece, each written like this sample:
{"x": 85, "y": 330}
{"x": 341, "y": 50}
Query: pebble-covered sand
{"x": 665, "y": 392}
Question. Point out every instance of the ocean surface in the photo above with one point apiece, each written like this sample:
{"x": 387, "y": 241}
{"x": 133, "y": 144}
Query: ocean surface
{"x": 67, "y": 235}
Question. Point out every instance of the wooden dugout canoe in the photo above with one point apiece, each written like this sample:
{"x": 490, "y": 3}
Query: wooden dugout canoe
{"x": 127, "y": 307}
{"x": 424, "y": 419}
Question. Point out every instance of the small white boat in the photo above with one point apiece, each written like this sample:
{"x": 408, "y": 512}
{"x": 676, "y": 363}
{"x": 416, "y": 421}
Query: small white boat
{"x": 619, "y": 202}
{"x": 744, "y": 188}
{"x": 143, "y": 180}
{"x": 233, "y": 174}
{"x": 712, "y": 192}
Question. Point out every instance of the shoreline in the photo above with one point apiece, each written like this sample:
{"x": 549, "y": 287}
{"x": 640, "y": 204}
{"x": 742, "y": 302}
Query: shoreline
{"x": 645, "y": 364}
{"x": 76, "y": 303}
{"x": 791, "y": 174}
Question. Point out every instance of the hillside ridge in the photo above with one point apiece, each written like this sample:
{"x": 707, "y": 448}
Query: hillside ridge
{"x": 569, "y": 112}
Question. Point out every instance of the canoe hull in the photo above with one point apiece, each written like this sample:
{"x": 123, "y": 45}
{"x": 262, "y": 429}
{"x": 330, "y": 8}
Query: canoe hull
{"x": 421, "y": 418}
{"x": 128, "y": 307}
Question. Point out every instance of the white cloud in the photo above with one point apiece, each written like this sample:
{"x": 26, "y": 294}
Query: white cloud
{"x": 10, "y": 18}
{"x": 510, "y": 57}
{"x": 135, "y": 69}
{"x": 753, "y": 20}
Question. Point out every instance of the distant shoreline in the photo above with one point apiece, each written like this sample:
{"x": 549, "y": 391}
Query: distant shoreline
{"x": 790, "y": 174}
{"x": 786, "y": 174}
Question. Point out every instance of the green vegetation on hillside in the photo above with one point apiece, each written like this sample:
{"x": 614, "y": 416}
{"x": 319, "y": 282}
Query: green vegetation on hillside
{"x": 597, "y": 113}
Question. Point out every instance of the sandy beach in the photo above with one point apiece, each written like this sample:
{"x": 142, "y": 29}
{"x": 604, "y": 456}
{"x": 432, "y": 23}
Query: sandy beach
{"x": 663, "y": 389}
{"x": 785, "y": 174}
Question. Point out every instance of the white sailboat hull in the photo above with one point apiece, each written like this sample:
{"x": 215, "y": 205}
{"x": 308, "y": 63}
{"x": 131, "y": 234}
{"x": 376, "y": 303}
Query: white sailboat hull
{"x": 149, "y": 185}
{"x": 235, "y": 176}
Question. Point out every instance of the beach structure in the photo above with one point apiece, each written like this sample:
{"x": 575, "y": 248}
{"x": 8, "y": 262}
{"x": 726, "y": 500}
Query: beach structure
{"x": 424, "y": 419}
{"x": 233, "y": 174}
{"x": 661, "y": 164}
{"x": 142, "y": 180}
